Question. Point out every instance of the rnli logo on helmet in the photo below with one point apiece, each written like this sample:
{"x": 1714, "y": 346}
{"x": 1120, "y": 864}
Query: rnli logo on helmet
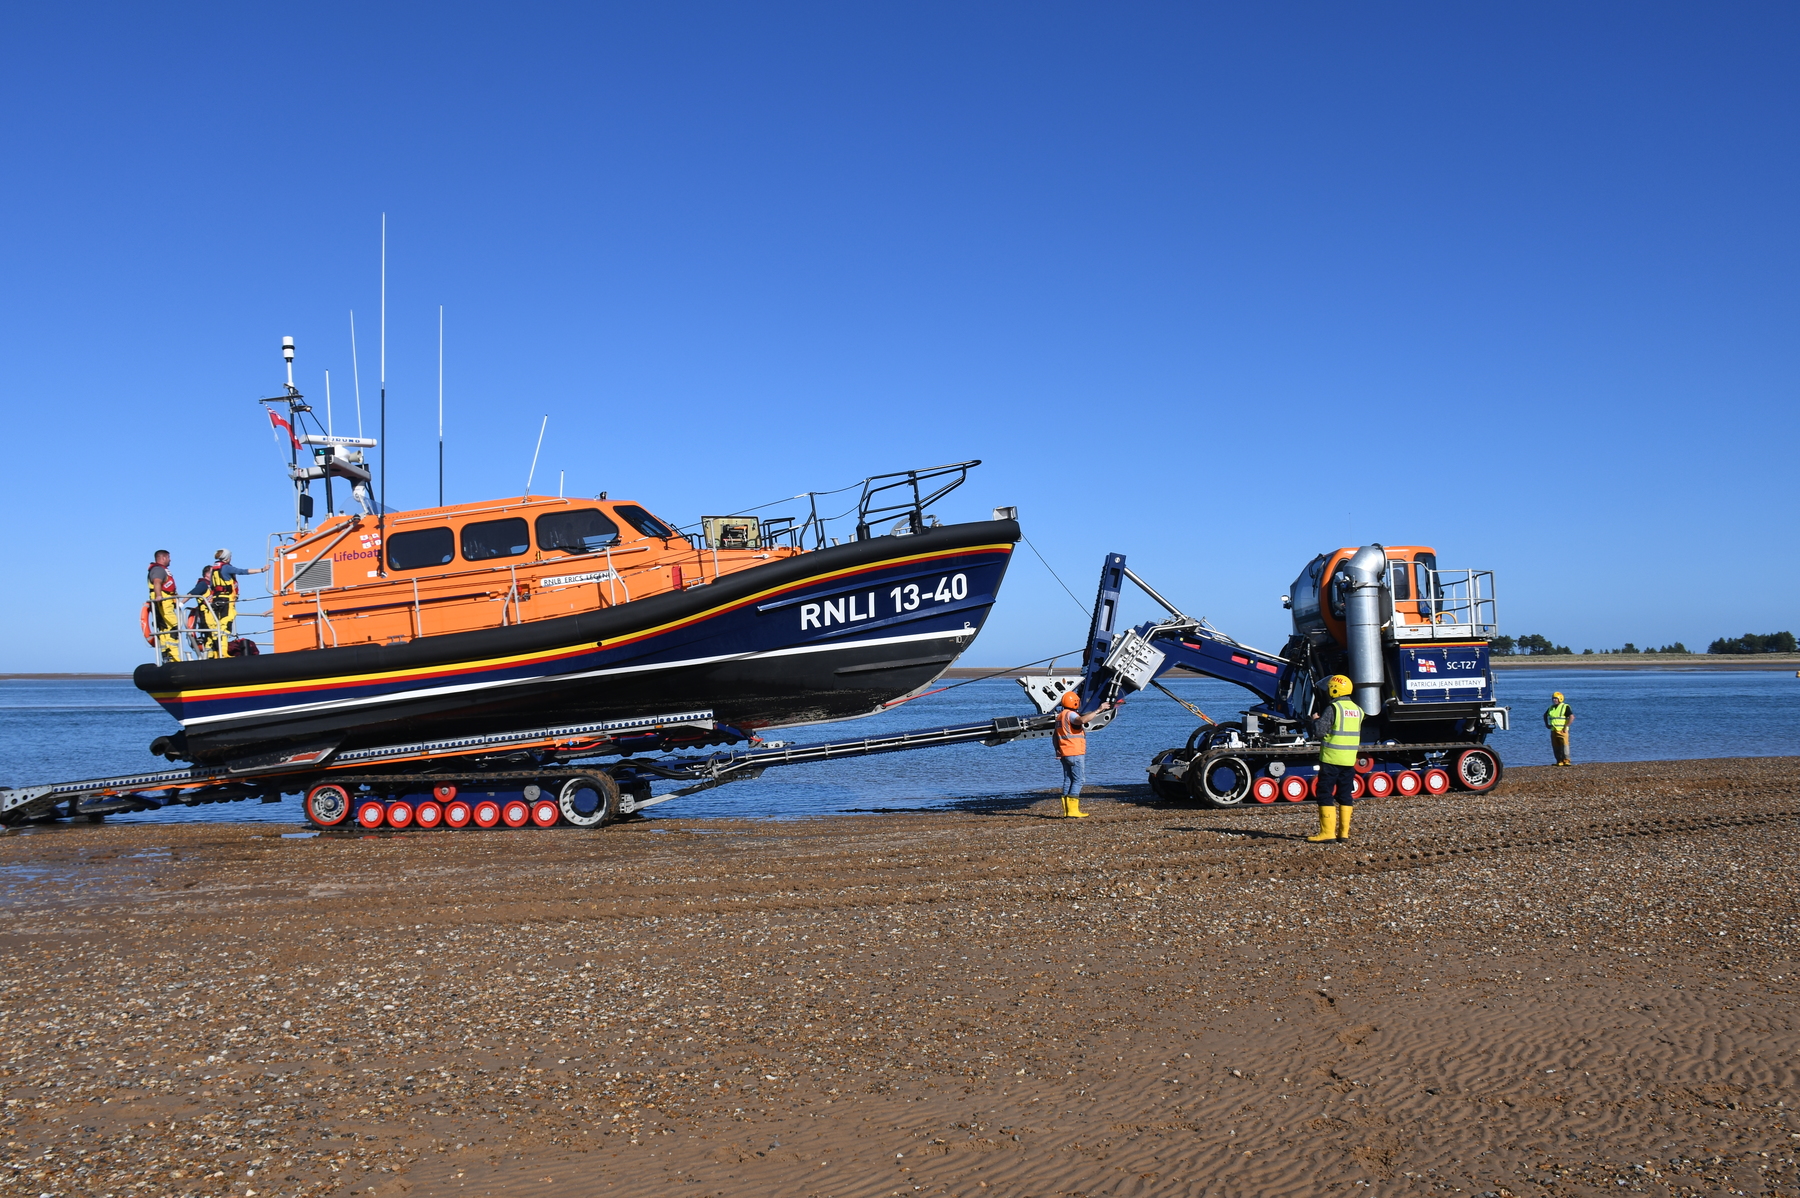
{"x": 1427, "y": 666}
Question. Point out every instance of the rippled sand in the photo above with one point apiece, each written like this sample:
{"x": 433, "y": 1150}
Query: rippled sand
{"x": 1582, "y": 980}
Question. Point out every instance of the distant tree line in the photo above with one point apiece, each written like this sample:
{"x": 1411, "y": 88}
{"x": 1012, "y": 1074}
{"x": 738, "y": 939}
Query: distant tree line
{"x": 1526, "y": 646}
{"x": 1772, "y": 642}
{"x": 1542, "y": 646}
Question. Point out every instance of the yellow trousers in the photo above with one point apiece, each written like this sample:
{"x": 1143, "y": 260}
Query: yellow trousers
{"x": 1559, "y": 744}
{"x": 165, "y": 617}
{"x": 216, "y": 641}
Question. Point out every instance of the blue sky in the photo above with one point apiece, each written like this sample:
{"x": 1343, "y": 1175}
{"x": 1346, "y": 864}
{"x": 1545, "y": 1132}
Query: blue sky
{"x": 1215, "y": 287}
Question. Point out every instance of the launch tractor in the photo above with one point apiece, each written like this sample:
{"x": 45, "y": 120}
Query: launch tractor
{"x": 1411, "y": 637}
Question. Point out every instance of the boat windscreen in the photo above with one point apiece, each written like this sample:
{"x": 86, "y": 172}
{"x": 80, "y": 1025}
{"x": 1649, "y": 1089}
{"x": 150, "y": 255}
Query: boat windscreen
{"x": 643, "y": 521}
{"x": 582, "y": 530}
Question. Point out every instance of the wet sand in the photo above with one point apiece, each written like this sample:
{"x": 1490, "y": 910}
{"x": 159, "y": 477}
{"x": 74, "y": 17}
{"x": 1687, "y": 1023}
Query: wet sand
{"x": 1581, "y": 984}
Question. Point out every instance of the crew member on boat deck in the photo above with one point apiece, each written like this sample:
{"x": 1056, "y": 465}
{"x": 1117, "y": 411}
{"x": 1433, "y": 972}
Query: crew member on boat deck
{"x": 218, "y": 591}
{"x": 1071, "y": 750}
{"x": 165, "y": 609}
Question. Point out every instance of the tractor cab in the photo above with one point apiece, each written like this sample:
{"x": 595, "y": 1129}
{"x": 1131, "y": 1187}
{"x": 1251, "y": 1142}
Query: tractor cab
{"x": 1419, "y": 601}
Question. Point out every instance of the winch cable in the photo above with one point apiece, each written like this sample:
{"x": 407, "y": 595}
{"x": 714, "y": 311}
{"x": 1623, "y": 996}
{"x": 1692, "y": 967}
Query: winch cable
{"x": 1053, "y": 574}
{"x": 1195, "y": 710}
{"x": 1001, "y": 673}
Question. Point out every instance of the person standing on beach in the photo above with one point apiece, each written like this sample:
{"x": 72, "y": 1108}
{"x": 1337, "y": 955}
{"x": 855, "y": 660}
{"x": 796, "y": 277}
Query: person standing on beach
{"x": 1071, "y": 751}
{"x": 1558, "y": 719}
{"x": 1342, "y": 728}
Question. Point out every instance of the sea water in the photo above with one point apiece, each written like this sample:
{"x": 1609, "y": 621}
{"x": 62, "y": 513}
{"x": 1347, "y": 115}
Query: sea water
{"x": 59, "y": 730}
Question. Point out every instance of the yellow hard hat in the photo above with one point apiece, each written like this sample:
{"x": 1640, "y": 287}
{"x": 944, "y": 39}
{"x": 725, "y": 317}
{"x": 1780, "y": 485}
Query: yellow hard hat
{"x": 1337, "y": 686}
{"x": 1070, "y": 700}
{"x": 1557, "y": 695}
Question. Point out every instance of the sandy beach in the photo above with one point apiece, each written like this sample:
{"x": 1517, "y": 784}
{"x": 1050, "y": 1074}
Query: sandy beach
{"x": 1581, "y": 984}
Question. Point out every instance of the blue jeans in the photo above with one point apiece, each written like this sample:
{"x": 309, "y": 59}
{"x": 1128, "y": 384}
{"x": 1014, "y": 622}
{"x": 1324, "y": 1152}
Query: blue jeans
{"x": 1074, "y": 771}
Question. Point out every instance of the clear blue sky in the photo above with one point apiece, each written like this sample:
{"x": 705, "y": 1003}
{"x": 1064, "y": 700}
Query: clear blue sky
{"x": 1216, "y": 287}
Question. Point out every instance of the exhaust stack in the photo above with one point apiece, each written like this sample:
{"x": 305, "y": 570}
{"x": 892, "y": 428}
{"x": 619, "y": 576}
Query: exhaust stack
{"x": 1367, "y": 570}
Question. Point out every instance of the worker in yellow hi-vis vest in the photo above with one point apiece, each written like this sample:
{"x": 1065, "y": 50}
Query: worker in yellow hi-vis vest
{"x": 1559, "y": 719}
{"x": 216, "y": 612}
{"x": 1341, "y": 725}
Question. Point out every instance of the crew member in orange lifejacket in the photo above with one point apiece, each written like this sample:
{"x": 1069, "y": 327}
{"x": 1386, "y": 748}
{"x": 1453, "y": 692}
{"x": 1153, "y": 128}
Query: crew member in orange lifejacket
{"x": 1071, "y": 750}
{"x": 165, "y": 612}
{"x": 217, "y": 609}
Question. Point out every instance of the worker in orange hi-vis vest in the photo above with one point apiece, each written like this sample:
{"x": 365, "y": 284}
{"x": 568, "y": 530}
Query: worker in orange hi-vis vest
{"x": 1071, "y": 750}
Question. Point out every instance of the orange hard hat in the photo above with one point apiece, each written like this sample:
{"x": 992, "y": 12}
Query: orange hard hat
{"x": 1070, "y": 700}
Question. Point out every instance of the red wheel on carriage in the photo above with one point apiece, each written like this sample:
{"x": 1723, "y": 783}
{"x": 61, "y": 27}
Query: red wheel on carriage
{"x": 400, "y": 815}
{"x": 1476, "y": 770}
{"x": 1266, "y": 790}
{"x": 1408, "y": 783}
{"x": 1381, "y": 785}
{"x": 516, "y": 813}
{"x": 371, "y": 814}
{"x": 1437, "y": 782}
{"x": 327, "y": 805}
{"x": 1294, "y": 788}
{"x": 457, "y": 813}
{"x": 428, "y": 814}
{"x": 544, "y": 813}
{"x": 487, "y": 813}
{"x": 444, "y": 794}
{"x": 1356, "y": 786}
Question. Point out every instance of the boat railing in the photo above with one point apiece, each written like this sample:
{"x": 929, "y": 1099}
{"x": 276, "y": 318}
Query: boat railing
{"x": 901, "y": 497}
{"x": 200, "y": 636}
{"x": 906, "y": 495}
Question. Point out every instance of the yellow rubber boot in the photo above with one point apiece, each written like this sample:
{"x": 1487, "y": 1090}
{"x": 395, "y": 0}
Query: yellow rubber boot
{"x": 1328, "y": 825}
{"x": 1072, "y": 808}
{"x": 1344, "y": 822}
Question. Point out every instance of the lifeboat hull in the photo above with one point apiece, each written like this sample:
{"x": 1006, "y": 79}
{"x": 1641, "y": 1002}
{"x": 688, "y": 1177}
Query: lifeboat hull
{"x": 827, "y": 635}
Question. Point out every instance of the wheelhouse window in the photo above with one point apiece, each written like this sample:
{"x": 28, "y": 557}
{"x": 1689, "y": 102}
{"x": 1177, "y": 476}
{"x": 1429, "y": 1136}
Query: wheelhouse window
{"x": 646, "y": 524}
{"x": 583, "y": 530}
{"x": 422, "y": 547}
{"x": 489, "y": 539}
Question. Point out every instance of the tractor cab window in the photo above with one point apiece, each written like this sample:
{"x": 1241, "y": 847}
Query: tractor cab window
{"x": 1425, "y": 566}
{"x": 495, "y": 538}
{"x": 1304, "y": 599}
{"x": 646, "y": 524}
{"x": 583, "y": 530}
{"x": 422, "y": 547}
{"x": 1400, "y": 579}
{"x": 1338, "y": 588}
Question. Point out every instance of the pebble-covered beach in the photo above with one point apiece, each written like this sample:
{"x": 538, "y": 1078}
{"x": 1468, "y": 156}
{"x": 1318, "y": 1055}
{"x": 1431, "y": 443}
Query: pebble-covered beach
{"x": 1583, "y": 983}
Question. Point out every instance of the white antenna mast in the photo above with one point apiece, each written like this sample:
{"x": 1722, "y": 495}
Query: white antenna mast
{"x": 381, "y": 516}
{"x": 440, "y": 405}
{"x": 355, "y": 374}
{"x": 534, "y": 455}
